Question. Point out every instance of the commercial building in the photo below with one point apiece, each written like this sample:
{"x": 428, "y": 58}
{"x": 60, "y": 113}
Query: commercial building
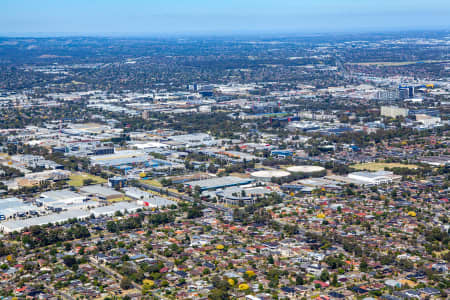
{"x": 393, "y": 111}
{"x": 102, "y": 192}
{"x": 65, "y": 196}
{"x": 428, "y": 121}
{"x": 442, "y": 160}
{"x": 110, "y": 210}
{"x": 191, "y": 140}
{"x": 18, "y": 225}
{"x": 267, "y": 175}
{"x": 117, "y": 181}
{"x": 14, "y": 207}
{"x": 120, "y": 158}
{"x": 218, "y": 183}
{"x": 373, "y": 178}
{"x": 75, "y": 213}
{"x": 146, "y": 199}
{"x": 237, "y": 195}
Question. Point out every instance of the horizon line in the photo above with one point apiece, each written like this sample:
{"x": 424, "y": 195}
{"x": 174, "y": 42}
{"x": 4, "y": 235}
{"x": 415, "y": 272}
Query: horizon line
{"x": 286, "y": 33}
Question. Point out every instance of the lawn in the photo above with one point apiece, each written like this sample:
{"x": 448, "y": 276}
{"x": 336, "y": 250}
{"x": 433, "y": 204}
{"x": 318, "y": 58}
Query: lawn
{"x": 398, "y": 63}
{"x": 124, "y": 198}
{"x": 153, "y": 182}
{"x": 76, "y": 180}
{"x": 381, "y": 166}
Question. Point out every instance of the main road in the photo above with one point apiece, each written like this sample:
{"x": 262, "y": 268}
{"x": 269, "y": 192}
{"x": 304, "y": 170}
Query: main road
{"x": 182, "y": 197}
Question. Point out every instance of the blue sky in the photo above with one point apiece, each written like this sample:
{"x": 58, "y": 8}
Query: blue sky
{"x": 161, "y": 17}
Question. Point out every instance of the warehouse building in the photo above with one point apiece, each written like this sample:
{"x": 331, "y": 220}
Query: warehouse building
{"x": 101, "y": 192}
{"x": 111, "y": 210}
{"x": 15, "y": 207}
{"x": 237, "y": 195}
{"x": 393, "y": 111}
{"x": 18, "y": 225}
{"x": 74, "y": 213}
{"x": 120, "y": 158}
{"x": 373, "y": 178}
{"x": 218, "y": 183}
{"x": 191, "y": 140}
{"x": 65, "y": 196}
{"x": 146, "y": 199}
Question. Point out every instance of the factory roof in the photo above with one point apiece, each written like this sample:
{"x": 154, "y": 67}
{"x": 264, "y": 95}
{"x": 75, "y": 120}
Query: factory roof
{"x": 12, "y": 206}
{"x": 112, "y": 209}
{"x": 17, "y": 225}
{"x": 62, "y": 195}
{"x": 100, "y": 190}
{"x": 372, "y": 174}
{"x": 219, "y": 182}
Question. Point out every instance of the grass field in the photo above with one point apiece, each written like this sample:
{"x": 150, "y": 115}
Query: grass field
{"x": 76, "y": 180}
{"x": 398, "y": 63}
{"x": 153, "y": 182}
{"x": 124, "y": 198}
{"x": 381, "y": 166}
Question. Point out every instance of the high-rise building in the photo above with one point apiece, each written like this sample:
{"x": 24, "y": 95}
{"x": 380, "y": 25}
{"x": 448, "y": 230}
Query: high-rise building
{"x": 406, "y": 92}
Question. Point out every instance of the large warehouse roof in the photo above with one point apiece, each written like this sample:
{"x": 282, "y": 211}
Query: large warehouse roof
{"x": 17, "y": 225}
{"x": 112, "y": 209}
{"x": 270, "y": 174}
{"x": 63, "y": 195}
{"x": 305, "y": 169}
{"x": 219, "y": 182}
{"x": 101, "y": 191}
{"x": 11, "y": 206}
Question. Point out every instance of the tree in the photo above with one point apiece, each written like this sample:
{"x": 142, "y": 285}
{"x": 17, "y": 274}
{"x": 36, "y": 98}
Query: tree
{"x": 88, "y": 181}
{"x": 324, "y": 276}
{"x": 299, "y": 280}
{"x": 363, "y": 266}
{"x": 334, "y": 280}
{"x": 112, "y": 226}
{"x": 218, "y": 294}
{"x": 126, "y": 283}
{"x": 70, "y": 261}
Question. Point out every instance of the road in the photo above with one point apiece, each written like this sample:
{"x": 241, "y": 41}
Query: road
{"x": 59, "y": 292}
{"x": 183, "y": 197}
{"x": 115, "y": 274}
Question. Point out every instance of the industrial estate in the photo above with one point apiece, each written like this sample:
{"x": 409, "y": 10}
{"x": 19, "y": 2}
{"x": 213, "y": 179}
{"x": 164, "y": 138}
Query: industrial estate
{"x": 283, "y": 168}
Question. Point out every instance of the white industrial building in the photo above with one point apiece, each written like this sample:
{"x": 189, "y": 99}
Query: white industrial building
{"x": 12, "y": 207}
{"x": 110, "y": 210}
{"x": 373, "y": 178}
{"x": 18, "y": 225}
{"x": 146, "y": 199}
{"x": 102, "y": 192}
{"x": 73, "y": 213}
{"x": 428, "y": 121}
{"x": 191, "y": 140}
{"x": 65, "y": 196}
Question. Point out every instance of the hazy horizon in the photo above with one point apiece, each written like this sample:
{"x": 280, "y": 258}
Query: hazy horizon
{"x": 200, "y": 17}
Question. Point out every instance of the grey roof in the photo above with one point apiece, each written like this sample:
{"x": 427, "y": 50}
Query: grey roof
{"x": 13, "y": 205}
{"x": 100, "y": 190}
{"x": 152, "y": 200}
{"x": 159, "y": 201}
{"x": 61, "y": 195}
{"x": 17, "y": 225}
{"x": 112, "y": 209}
{"x": 372, "y": 174}
{"x": 219, "y": 182}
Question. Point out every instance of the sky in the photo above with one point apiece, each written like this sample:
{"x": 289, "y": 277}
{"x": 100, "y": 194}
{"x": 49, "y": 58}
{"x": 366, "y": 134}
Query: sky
{"x": 165, "y": 17}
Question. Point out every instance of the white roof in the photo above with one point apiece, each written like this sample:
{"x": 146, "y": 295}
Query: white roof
{"x": 270, "y": 174}
{"x": 112, "y": 209}
{"x": 17, "y": 225}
